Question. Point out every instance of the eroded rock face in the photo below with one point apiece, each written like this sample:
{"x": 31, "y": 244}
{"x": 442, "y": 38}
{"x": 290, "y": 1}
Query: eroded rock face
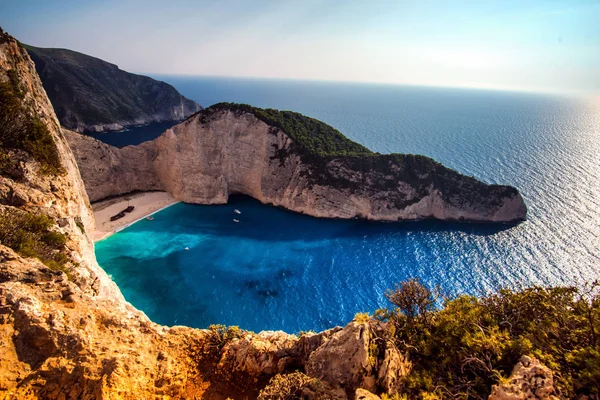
{"x": 530, "y": 379}
{"x": 58, "y": 342}
{"x": 61, "y": 197}
{"x": 109, "y": 171}
{"x": 221, "y": 152}
{"x": 73, "y": 336}
{"x": 359, "y": 356}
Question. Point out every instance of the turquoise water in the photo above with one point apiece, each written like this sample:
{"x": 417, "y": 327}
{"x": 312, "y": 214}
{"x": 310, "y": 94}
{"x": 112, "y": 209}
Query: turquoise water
{"x": 280, "y": 270}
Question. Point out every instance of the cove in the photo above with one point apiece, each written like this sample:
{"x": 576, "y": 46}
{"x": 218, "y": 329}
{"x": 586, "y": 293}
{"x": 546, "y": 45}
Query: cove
{"x": 280, "y": 270}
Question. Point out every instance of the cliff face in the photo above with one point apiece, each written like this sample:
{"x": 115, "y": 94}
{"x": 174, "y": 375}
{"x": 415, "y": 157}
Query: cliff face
{"x": 61, "y": 196}
{"x": 224, "y": 150}
{"x": 89, "y": 94}
{"x": 110, "y": 171}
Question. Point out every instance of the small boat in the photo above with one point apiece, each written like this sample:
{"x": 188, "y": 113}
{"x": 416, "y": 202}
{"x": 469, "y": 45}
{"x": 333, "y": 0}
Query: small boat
{"x": 236, "y": 220}
{"x": 187, "y": 248}
{"x": 237, "y": 211}
{"x": 150, "y": 218}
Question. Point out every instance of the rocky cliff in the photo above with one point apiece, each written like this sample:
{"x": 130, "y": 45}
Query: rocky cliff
{"x": 89, "y": 94}
{"x": 302, "y": 165}
{"x": 111, "y": 171}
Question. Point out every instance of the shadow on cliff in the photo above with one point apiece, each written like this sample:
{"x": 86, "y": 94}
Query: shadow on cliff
{"x": 263, "y": 222}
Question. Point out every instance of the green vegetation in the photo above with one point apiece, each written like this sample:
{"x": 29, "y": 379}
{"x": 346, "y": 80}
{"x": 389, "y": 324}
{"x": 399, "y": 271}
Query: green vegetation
{"x": 30, "y": 235}
{"x": 318, "y": 143}
{"x": 361, "y": 318}
{"x": 21, "y": 130}
{"x": 218, "y": 336}
{"x": 313, "y": 136}
{"x": 79, "y": 224}
{"x": 471, "y": 343}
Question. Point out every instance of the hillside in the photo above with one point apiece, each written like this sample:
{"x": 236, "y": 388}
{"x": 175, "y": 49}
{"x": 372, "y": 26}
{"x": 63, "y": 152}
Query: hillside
{"x": 89, "y": 94}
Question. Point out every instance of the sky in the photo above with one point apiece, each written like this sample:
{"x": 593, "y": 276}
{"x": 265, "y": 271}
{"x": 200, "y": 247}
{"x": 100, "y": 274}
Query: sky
{"x": 541, "y": 45}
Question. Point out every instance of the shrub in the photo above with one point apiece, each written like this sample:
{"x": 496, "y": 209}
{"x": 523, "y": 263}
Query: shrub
{"x": 313, "y": 136}
{"x": 9, "y": 166}
{"x": 464, "y": 348}
{"x": 21, "y": 129}
{"x": 79, "y": 224}
{"x": 219, "y": 335}
{"x": 30, "y": 235}
{"x": 362, "y": 318}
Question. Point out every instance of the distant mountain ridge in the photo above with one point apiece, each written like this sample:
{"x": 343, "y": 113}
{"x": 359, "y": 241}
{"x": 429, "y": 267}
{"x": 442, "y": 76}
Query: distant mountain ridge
{"x": 89, "y": 94}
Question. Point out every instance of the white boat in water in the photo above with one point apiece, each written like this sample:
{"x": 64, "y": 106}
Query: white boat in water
{"x": 236, "y": 220}
{"x": 237, "y": 211}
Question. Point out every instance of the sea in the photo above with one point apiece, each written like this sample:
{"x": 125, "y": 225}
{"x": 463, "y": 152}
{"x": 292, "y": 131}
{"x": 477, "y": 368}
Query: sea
{"x": 278, "y": 270}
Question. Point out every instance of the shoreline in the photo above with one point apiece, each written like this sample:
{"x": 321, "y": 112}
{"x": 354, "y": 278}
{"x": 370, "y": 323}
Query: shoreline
{"x": 145, "y": 203}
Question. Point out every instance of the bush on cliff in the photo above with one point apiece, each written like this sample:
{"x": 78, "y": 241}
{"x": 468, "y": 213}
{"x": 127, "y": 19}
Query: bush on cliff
{"x": 31, "y": 235}
{"x": 471, "y": 343}
{"x": 314, "y": 136}
{"x": 22, "y": 130}
{"x": 218, "y": 336}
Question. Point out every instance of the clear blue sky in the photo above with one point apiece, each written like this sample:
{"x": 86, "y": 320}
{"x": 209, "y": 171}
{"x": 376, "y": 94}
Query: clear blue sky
{"x": 530, "y": 45}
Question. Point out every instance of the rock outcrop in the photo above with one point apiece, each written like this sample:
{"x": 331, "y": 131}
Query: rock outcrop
{"x": 362, "y": 394}
{"x": 530, "y": 379}
{"x": 89, "y": 94}
{"x": 359, "y": 357}
{"x": 230, "y": 149}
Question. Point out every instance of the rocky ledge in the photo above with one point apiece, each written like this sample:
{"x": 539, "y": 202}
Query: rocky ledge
{"x": 292, "y": 161}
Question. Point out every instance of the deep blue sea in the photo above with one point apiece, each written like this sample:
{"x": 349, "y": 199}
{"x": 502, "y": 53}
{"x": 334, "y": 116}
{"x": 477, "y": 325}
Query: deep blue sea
{"x": 280, "y": 270}
{"x": 134, "y": 135}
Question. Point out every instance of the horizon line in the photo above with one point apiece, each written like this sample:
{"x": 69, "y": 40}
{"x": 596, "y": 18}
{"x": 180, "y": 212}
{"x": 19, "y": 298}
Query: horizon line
{"x": 466, "y": 86}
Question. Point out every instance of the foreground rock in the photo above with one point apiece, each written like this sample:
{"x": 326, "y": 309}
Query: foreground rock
{"x": 530, "y": 379}
{"x": 89, "y": 94}
{"x": 229, "y": 149}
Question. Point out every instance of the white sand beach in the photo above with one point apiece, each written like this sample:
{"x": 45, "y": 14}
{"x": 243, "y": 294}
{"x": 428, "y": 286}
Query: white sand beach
{"x": 145, "y": 203}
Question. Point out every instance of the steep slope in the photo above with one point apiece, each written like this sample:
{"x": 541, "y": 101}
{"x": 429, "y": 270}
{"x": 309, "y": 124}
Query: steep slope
{"x": 89, "y": 94}
{"x": 292, "y": 161}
